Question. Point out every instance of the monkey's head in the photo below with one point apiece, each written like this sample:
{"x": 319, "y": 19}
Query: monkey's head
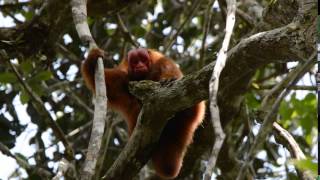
{"x": 139, "y": 63}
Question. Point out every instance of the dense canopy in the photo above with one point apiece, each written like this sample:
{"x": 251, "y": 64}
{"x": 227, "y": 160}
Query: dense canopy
{"x": 267, "y": 90}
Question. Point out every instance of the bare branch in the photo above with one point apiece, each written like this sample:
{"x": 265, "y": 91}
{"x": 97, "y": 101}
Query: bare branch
{"x": 297, "y": 87}
{"x": 206, "y": 28}
{"x": 24, "y": 164}
{"x": 246, "y": 17}
{"x": 288, "y": 141}
{"x": 213, "y": 90}
{"x": 194, "y": 8}
{"x": 129, "y": 37}
{"x": 79, "y": 12}
{"x": 98, "y": 125}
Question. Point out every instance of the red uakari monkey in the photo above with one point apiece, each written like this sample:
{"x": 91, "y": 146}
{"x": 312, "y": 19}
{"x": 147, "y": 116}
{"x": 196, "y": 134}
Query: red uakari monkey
{"x": 146, "y": 64}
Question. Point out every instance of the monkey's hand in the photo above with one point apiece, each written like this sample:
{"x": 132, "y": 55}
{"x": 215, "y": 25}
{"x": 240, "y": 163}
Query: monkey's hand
{"x": 95, "y": 53}
{"x": 89, "y": 64}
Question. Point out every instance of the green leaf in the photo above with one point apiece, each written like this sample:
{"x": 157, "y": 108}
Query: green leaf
{"x": 300, "y": 111}
{"x": 38, "y": 89}
{"x": 42, "y": 76}
{"x": 24, "y": 97}
{"x": 306, "y": 164}
{"x": 7, "y": 77}
{"x": 252, "y": 101}
{"x": 28, "y": 14}
{"x": 26, "y": 66}
{"x": 138, "y": 31}
{"x": 285, "y": 111}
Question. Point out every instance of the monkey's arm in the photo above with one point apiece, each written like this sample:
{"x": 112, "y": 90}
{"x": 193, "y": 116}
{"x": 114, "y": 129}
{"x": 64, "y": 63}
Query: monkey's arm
{"x": 88, "y": 67}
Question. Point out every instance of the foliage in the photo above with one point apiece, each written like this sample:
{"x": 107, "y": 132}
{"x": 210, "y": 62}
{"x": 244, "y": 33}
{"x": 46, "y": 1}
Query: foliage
{"x": 51, "y": 68}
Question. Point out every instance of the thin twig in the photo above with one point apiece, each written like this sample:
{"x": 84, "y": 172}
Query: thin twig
{"x": 78, "y": 100}
{"x": 67, "y": 53}
{"x": 14, "y": 5}
{"x": 206, "y": 28}
{"x": 24, "y": 164}
{"x": 297, "y": 87}
{"x": 222, "y": 5}
{"x": 194, "y": 8}
{"x": 62, "y": 84}
{"x": 128, "y": 36}
{"x": 213, "y": 90}
{"x": 246, "y": 17}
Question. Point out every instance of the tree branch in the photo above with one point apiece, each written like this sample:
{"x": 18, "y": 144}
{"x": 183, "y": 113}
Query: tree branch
{"x": 193, "y": 9}
{"x": 213, "y": 90}
{"x": 297, "y": 87}
{"x": 205, "y": 31}
{"x": 24, "y": 164}
{"x": 79, "y": 12}
{"x": 289, "y": 142}
{"x": 128, "y": 36}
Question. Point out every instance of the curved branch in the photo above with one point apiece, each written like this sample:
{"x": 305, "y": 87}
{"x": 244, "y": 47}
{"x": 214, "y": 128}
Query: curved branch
{"x": 213, "y": 90}
{"x": 289, "y": 142}
{"x": 79, "y": 12}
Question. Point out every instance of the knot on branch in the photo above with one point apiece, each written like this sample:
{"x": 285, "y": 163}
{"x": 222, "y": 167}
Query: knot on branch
{"x": 144, "y": 90}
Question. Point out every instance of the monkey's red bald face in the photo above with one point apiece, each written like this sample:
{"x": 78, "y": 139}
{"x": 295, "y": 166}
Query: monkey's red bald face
{"x": 139, "y": 63}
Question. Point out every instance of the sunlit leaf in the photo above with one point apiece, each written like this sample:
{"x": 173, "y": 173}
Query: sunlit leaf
{"x": 307, "y": 165}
